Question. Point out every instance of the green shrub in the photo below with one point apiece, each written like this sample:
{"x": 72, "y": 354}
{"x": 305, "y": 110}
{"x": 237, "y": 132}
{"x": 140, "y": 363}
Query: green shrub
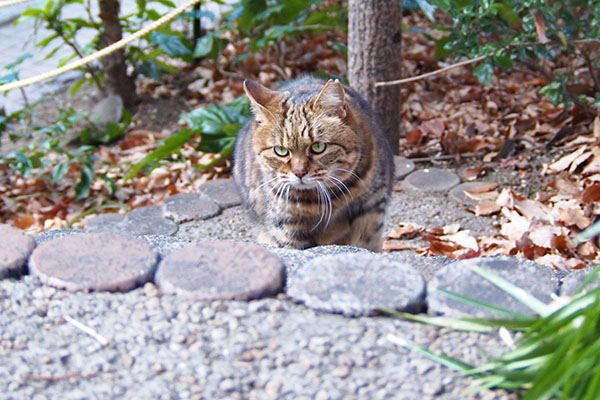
{"x": 528, "y": 32}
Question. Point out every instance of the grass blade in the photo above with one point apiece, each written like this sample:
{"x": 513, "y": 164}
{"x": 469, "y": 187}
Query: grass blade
{"x": 484, "y": 305}
{"x": 444, "y": 360}
{"x": 454, "y": 323}
{"x": 527, "y": 299}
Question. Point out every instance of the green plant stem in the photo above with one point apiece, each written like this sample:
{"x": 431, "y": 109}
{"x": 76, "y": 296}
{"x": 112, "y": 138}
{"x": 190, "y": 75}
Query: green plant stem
{"x": 77, "y": 51}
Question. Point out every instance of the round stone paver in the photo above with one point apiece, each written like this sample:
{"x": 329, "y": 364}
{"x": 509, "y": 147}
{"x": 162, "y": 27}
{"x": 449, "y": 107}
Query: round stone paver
{"x": 222, "y": 191}
{"x": 15, "y": 247}
{"x": 357, "y": 284}
{"x": 185, "y": 207}
{"x": 539, "y": 280}
{"x": 109, "y": 223}
{"x": 294, "y": 259}
{"x": 148, "y": 221}
{"x": 93, "y": 261}
{"x": 225, "y": 270}
{"x": 403, "y": 167}
{"x": 432, "y": 180}
{"x": 574, "y": 281}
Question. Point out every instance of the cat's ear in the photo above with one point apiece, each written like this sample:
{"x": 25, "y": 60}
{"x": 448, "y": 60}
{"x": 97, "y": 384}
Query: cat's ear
{"x": 264, "y": 101}
{"x": 331, "y": 97}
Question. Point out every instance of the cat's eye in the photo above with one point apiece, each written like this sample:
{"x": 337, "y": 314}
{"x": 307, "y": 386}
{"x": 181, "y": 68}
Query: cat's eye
{"x": 281, "y": 151}
{"x": 318, "y": 147}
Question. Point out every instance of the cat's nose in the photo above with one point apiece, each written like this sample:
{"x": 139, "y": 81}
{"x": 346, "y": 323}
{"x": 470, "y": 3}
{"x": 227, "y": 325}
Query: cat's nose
{"x": 299, "y": 172}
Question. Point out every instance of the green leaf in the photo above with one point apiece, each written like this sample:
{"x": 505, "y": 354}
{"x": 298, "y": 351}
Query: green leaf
{"x": 82, "y": 188}
{"x": 75, "y": 88}
{"x": 209, "y": 45}
{"x": 249, "y": 10}
{"x": 276, "y": 32}
{"x": 112, "y": 187}
{"x": 427, "y": 9}
{"x": 484, "y": 73}
{"x": 59, "y": 171}
{"x": 173, "y": 45}
{"x": 204, "y": 46}
{"x": 13, "y": 76}
{"x": 223, "y": 145}
{"x": 441, "y": 50}
{"x": 32, "y": 12}
{"x": 169, "y": 146}
{"x": 18, "y": 61}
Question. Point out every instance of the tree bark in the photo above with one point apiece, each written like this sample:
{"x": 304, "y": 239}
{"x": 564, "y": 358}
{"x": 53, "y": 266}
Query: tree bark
{"x": 116, "y": 79}
{"x": 374, "y": 42}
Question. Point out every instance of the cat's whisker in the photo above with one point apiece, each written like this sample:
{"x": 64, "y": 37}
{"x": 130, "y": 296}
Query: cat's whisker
{"x": 264, "y": 183}
{"x": 352, "y": 173}
{"x": 325, "y": 205}
{"x": 321, "y": 206}
{"x": 341, "y": 186}
{"x": 281, "y": 189}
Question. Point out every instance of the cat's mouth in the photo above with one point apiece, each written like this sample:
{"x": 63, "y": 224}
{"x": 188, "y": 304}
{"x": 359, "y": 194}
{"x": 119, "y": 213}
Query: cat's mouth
{"x": 305, "y": 183}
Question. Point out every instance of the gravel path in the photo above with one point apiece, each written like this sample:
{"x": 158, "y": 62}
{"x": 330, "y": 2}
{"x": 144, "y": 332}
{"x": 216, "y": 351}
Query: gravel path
{"x": 310, "y": 328}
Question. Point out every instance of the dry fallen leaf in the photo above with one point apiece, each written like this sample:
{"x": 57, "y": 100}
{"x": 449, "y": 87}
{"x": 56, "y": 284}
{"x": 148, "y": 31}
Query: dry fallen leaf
{"x": 540, "y": 26}
{"x": 516, "y": 227}
{"x": 591, "y": 193}
{"x": 389, "y": 245}
{"x": 470, "y": 174}
{"x": 487, "y": 207}
{"x": 463, "y": 239}
{"x": 565, "y": 162}
{"x": 407, "y": 230}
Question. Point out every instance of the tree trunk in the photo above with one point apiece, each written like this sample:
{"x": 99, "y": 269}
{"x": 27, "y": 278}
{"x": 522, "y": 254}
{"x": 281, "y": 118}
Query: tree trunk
{"x": 115, "y": 70}
{"x": 374, "y": 40}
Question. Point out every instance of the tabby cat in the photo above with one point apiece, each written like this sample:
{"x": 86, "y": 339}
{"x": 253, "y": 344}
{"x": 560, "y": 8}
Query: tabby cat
{"x": 314, "y": 165}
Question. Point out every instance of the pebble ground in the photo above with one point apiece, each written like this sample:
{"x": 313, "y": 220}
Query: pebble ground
{"x": 310, "y": 324}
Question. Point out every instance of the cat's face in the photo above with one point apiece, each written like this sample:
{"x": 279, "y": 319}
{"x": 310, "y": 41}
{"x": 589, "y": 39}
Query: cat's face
{"x": 304, "y": 142}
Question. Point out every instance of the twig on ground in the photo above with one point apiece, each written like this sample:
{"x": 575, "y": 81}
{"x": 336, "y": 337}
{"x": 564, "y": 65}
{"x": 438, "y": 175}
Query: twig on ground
{"x": 101, "y": 339}
{"x": 446, "y": 157}
{"x": 436, "y": 72}
{"x": 471, "y": 61}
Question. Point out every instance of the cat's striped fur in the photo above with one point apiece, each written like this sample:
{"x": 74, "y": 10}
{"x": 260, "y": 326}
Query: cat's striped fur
{"x": 314, "y": 165}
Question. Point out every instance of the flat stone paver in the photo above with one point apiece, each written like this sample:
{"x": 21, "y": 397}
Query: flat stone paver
{"x": 458, "y": 278}
{"x": 357, "y": 284}
{"x": 575, "y": 280}
{"x": 403, "y": 167}
{"x": 93, "y": 262}
{"x": 185, "y": 207}
{"x": 15, "y": 247}
{"x": 106, "y": 223}
{"x": 221, "y": 191}
{"x": 148, "y": 220}
{"x": 432, "y": 180}
{"x": 295, "y": 259}
{"x": 427, "y": 266}
{"x": 224, "y": 270}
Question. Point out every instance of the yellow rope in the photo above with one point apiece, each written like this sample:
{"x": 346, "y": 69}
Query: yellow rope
{"x": 100, "y": 53}
{"x": 6, "y": 3}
